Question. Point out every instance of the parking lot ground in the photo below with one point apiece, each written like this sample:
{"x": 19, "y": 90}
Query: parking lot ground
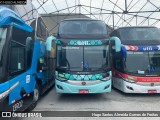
{"x": 114, "y": 101}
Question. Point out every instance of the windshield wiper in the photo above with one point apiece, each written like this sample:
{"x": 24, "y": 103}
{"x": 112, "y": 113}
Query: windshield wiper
{"x": 95, "y": 69}
{"x": 65, "y": 67}
{"x": 102, "y": 69}
{"x": 135, "y": 72}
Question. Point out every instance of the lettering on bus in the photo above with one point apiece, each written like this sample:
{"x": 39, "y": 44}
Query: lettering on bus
{"x": 147, "y": 48}
{"x": 85, "y": 42}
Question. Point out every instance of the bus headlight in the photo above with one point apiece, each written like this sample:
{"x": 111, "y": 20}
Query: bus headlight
{"x": 132, "y": 78}
{"x": 106, "y": 78}
{"x": 129, "y": 79}
{"x": 61, "y": 79}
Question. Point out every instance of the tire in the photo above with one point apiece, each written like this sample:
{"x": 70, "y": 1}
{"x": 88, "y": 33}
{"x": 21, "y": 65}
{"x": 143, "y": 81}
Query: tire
{"x": 36, "y": 96}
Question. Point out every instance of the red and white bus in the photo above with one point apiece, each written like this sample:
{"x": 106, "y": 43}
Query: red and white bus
{"x": 136, "y": 68}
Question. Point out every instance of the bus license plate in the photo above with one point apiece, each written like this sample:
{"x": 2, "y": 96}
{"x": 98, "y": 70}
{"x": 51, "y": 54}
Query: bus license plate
{"x": 152, "y": 91}
{"x": 83, "y": 91}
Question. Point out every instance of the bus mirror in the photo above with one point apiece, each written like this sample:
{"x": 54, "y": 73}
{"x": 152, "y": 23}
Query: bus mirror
{"x": 117, "y": 43}
{"x": 124, "y": 52}
{"x": 49, "y": 42}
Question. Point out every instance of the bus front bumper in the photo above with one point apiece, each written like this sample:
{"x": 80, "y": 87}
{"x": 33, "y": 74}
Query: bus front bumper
{"x": 128, "y": 87}
{"x": 77, "y": 87}
{"x": 135, "y": 88}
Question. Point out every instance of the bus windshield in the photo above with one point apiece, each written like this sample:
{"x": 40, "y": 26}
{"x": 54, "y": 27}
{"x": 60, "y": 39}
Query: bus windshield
{"x": 3, "y": 33}
{"x": 83, "y": 58}
{"x": 143, "y": 63}
{"x": 137, "y": 33}
{"x": 82, "y": 29}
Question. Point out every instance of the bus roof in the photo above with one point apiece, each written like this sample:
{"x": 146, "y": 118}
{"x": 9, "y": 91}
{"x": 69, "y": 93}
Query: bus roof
{"x": 70, "y": 19}
{"x": 136, "y": 27}
{"x": 9, "y": 17}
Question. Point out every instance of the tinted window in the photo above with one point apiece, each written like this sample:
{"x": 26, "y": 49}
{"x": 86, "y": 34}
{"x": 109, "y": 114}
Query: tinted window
{"x": 17, "y": 57}
{"x": 82, "y": 29}
{"x": 114, "y": 33}
{"x": 21, "y": 50}
{"x": 144, "y": 33}
{"x": 3, "y": 33}
{"x": 143, "y": 63}
{"x": 70, "y": 58}
{"x": 96, "y": 57}
{"x": 41, "y": 30}
{"x": 83, "y": 58}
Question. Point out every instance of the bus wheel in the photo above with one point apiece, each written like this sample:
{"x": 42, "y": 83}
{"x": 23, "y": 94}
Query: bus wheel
{"x": 36, "y": 95}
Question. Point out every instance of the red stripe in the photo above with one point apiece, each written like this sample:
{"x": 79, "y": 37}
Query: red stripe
{"x": 148, "y": 79}
{"x": 138, "y": 78}
{"x": 133, "y": 48}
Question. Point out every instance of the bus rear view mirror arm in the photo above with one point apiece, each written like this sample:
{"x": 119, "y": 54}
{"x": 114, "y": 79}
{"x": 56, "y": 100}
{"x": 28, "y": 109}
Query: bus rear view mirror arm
{"x": 49, "y": 42}
{"x": 117, "y": 43}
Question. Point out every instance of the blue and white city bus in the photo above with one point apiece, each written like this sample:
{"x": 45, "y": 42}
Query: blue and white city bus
{"x": 25, "y": 71}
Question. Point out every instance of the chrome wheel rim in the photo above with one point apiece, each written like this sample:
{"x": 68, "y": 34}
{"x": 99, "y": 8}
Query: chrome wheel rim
{"x": 36, "y": 95}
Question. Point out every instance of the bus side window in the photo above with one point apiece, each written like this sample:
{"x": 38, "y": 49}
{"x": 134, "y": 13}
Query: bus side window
{"x": 17, "y": 57}
{"x": 19, "y": 47}
{"x": 41, "y": 64}
{"x": 41, "y": 29}
{"x": 114, "y": 34}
